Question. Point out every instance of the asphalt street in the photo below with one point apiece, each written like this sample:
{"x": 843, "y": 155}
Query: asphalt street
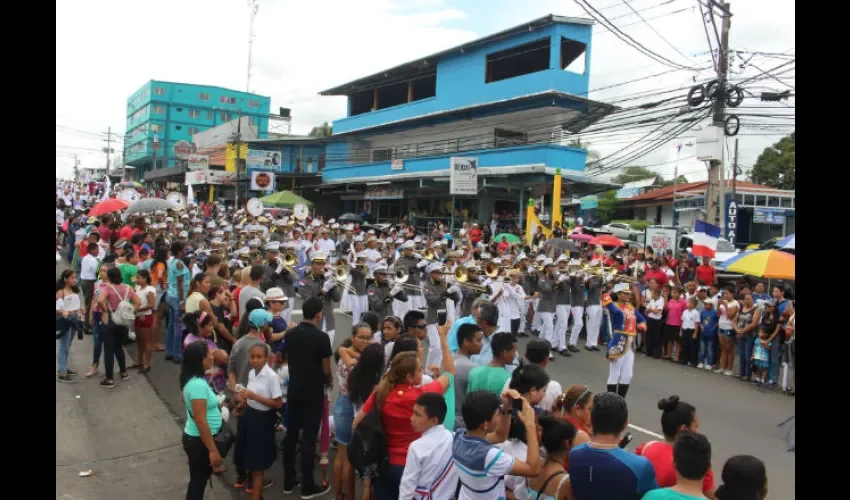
{"x": 737, "y": 417}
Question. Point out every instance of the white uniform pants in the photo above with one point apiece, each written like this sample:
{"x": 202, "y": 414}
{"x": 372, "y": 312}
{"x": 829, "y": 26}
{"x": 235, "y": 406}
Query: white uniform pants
{"x": 345, "y": 303}
{"x": 523, "y": 311}
{"x": 331, "y": 333}
{"x": 620, "y": 370}
{"x": 287, "y": 313}
{"x": 504, "y": 320}
{"x": 562, "y": 312}
{"x": 547, "y": 329}
{"x": 359, "y": 305}
{"x": 536, "y": 323}
{"x": 578, "y": 322}
{"x": 594, "y": 320}
{"x": 435, "y": 352}
{"x": 401, "y": 308}
{"x": 416, "y": 301}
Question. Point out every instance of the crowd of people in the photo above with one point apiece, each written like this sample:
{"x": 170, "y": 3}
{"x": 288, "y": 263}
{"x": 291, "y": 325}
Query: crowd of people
{"x": 435, "y": 400}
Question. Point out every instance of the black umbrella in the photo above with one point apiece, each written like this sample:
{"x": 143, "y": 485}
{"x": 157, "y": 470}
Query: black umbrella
{"x": 557, "y": 246}
{"x": 350, "y": 217}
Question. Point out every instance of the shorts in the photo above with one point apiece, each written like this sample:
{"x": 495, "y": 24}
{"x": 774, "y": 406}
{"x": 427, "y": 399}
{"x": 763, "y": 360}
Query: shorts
{"x": 670, "y": 333}
{"x": 343, "y": 413}
{"x": 144, "y": 321}
{"x": 727, "y": 333}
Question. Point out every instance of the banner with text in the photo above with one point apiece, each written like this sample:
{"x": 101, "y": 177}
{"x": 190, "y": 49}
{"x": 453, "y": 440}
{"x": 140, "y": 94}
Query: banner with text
{"x": 463, "y": 178}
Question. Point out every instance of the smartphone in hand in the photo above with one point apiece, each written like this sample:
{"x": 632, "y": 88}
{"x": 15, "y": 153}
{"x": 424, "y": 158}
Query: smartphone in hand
{"x": 441, "y": 317}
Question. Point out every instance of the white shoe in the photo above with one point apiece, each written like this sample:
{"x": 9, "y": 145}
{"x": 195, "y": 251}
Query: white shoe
{"x": 728, "y": 373}
{"x": 719, "y": 370}
{"x": 700, "y": 366}
{"x": 707, "y": 367}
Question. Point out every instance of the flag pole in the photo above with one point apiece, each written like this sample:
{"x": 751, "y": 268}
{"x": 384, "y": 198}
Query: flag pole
{"x": 676, "y": 183}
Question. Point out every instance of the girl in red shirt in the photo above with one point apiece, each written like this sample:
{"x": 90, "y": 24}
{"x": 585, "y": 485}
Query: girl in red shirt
{"x": 574, "y": 406}
{"x": 394, "y": 397}
{"x": 675, "y": 416}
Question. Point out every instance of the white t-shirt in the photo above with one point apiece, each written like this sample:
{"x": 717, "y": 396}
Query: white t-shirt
{"x": 70, "y": 302}
{"x": 516, "y": 484}
{"x": 690, "y": 319}
{"x": 143, "y": 298}
{"x": 655, "y": 304}
{"x": 725, "y": 323}
{"x": 88, "y": 268}
{"x": 266, "y": 384}
{"x": 60, "y": 217}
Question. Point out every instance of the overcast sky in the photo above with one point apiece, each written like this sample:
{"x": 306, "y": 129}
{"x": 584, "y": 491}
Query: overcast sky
{"x": 105, "y": 50}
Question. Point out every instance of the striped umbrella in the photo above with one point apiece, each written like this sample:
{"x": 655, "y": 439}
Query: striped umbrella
{"x": 789, "y": 242}
{"x": 771, "y": 264}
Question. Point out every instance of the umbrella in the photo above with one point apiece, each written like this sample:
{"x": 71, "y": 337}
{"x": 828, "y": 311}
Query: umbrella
{"x": 131, "y": 184}
{"x": 584, "y": 238}
{"x": 560, "y": 246}
{"x": 350, "y": 217}
{"x": 284, "y": 199}
{"x": 146, "y": 205}
{"x": 789, "y": 427}
{"x": 607, "y": 240}
{"x": 512, "y": 238}
{"x": 771, "y": 264}
{"x": 788, "y": 242}
{"x": 108, "y": 206}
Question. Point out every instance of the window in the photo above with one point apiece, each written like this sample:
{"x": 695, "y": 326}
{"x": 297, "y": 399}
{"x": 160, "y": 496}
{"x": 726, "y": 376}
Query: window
{"x": 158, "y": 91}
{"x": 158, "y": 110}
{"x": 509, "y": 138}
{"x": 194, "y": 113}
{"x": 573, "y": 55}
{"x": 209, "y": 115}
{"x": 178, "y": 127}
{"x": 226, "y": 117}
{"x": 227, "y": 100}
{"x": 203, "y": 96}
{"x": 382, "y": 154}
{"x": 309, "y": 164}
{"x": 193, "y": 131}
{"x": 253, "y": 103}
{"x": 179, "y": 110}
{"x": 156, "y": 127}
{"x": 517, "y": 61}
{"x": 253, "y": 121}
{"x": 321, "y": 162}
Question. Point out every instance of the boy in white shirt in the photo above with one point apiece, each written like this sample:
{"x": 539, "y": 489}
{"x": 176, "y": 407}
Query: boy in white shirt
{"x": 429, "y": 471}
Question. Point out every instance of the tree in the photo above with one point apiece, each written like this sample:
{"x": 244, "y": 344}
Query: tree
{"x": 323, "y": 130}
{"x": 632, "y": 174}
{"x": 607, "y": 205}
{"x": 682, "y": 180}
{"x": 592, "y": 155}
{"x": 775, "y": 165}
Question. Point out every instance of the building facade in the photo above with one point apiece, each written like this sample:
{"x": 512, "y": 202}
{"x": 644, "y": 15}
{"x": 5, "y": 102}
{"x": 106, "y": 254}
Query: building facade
{"x": 160, "y": 114}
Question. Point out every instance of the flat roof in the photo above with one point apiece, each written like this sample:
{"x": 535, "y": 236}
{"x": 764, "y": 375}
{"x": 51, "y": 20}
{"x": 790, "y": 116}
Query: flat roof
{"x": 422, "y": 64}
{"x": 200, "y": 85}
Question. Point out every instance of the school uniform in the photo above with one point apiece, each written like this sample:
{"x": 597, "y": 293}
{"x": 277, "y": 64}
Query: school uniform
{"x": 429, "y": 471}
{"x": 255, "y": 442}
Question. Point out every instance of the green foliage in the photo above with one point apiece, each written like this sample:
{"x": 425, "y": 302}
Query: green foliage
{"x": 323, "y": 130}
{"x": 632, "y": 174}
{"x": 637, "y": 225}
{"x": 682, "y": 180}
{"x": 775, "y": 165}
{"x": 607, "y": 205}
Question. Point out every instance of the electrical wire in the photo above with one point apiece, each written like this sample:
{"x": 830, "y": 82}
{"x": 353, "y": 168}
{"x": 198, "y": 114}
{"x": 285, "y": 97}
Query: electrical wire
{"x": 655, "y": 31}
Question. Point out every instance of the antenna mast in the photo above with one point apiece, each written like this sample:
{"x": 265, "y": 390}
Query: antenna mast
{"x": 253, "y": 7}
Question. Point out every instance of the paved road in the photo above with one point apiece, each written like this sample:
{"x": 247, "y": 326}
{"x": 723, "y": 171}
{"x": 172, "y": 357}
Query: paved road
{"x": 737, "y": 417}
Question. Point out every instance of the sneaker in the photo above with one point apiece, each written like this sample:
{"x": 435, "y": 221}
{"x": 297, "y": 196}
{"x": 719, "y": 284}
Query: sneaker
{"x": 719, "y": 370}
{"x": 707, "y": 367}
{"x": 700, "y": 366}
{"x": 125, "y": 376}
{"x": 266, "y": 485}
{"x": 314, "y": 492}
{"x": 573, "y": 348}
{"x": 66, "y": 378}
{"x": 290, "y": 488}
{"x": 108, "y": 384}
{"x": 71, "y": 372}
{"x": 728, "y": 373}
{"x": 756, "y": 381}
{"x": 594, "y": 348}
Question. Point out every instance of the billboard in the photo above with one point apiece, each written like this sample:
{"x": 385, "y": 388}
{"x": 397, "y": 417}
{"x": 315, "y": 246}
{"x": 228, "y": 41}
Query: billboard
{"x": 259, "y": 159}
{"x": 463, "y": 176}
{"x": 198, "y": 162}
{"x": 262, "y": 180}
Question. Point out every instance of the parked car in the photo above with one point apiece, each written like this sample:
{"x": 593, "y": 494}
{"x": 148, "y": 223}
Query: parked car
{"x": 619, "y": 229}
{"x": 725, "y": 249}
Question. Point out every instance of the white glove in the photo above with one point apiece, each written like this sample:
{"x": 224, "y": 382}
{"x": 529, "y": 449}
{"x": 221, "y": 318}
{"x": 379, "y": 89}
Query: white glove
{"x": 397, "y": 289}
{"x": 422, "y": 263}
{"x": 454, "y": 289}
{"x": 562, "y": 278}
{"x": 415, "y": 254}
{"x": 328, "y": 286}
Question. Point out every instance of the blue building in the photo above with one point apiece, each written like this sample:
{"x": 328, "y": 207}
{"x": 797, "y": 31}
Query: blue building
{"x": 164, "y": 113}
{"x": 509, "y": 100}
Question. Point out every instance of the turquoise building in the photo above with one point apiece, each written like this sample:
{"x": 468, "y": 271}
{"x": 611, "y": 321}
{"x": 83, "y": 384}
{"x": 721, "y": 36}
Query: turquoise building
{"x": 167, "y": 112}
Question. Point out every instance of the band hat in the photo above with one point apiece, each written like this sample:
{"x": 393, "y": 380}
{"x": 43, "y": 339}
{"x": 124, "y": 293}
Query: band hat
{"x": 622, "y": 287}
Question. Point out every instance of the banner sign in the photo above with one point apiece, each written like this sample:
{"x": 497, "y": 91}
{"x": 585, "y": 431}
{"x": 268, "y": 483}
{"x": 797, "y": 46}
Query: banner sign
{"x": 463, "y": 179}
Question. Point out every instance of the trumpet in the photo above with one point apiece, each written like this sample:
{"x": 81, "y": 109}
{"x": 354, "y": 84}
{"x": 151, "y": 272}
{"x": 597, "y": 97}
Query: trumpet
{"x": 289, "y": 261}
{"x": 624, "y": 277}
{"x": 491, "y": 270}
{"x": 429, "y": 254}
{"x": 462, "y": 277}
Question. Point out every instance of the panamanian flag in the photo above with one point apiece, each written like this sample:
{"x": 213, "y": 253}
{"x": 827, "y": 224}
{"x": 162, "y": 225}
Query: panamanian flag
{"x": 705, "y": 239}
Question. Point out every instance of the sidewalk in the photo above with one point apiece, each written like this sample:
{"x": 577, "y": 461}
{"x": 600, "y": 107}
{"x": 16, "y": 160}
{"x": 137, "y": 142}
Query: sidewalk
{"x": 125, "y": 435}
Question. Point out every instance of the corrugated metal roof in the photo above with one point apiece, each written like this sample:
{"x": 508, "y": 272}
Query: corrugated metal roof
{"x": 665, "y": 194}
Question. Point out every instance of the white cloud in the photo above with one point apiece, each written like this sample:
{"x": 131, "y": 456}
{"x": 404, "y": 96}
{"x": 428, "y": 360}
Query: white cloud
{"x": 106, "y": 50}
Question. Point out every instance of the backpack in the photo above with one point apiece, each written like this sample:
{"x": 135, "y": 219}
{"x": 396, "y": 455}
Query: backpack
{"x": 368, "y": 449}
{"x": 125, "y": 314}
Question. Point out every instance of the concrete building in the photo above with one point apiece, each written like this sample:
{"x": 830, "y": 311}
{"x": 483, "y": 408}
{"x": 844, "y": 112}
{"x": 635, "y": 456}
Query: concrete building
{"x": 160, "y": 114}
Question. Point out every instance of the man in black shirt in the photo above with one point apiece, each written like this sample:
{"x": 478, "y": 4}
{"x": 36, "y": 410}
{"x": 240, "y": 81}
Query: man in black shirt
{"x": 309, "y": 353}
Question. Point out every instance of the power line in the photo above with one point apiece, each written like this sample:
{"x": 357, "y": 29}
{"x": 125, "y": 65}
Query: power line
{"x": 654, "y": 30}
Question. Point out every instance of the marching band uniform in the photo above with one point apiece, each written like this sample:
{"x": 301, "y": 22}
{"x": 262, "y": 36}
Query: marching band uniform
{"x": 577, "y": 288}
{"x": 436, "y": 293}
{"x": 326, "y": 289}
{"x": 357, "y": 295}
{"x": 414, "y": 265}
{"x": 625, "y": 321}
{"x": 529, "y": 286}
{"x": 594, "y": 312}
{"x": 546, "y": 306}
{"x": 562, "y": 311}
{"x": 381, "y": 296}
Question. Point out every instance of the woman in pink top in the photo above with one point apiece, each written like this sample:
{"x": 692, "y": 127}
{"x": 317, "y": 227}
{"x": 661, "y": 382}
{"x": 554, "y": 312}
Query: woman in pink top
{"x": 114, "y": 335}
{"x": 670, "y": 336}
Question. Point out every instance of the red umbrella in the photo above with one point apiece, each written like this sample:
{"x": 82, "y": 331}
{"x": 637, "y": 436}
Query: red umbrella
{"x": 108, "y": 206}
{"x": 581, "y": 237}
{"x": 607, "y": 240}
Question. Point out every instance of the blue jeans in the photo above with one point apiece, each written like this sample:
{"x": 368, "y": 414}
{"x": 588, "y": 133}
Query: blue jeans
{"x": 97, "y": 334}
{"x": 775, "y": 360}
{"x": 707, "y": 353}
{"x": 173, "y": 334}
{"x": 65, "y": 349}
{"x": 745, "y": 352}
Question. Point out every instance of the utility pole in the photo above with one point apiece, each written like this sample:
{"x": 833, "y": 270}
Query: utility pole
{"x": 236, "y": 139}
{"x": 108, "y": 149}
{"x": 715, "y": 202}
{"x": 253, "y": 7}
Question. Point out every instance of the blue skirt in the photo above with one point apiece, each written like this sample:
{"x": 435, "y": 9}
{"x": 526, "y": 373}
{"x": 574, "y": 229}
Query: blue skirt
{"x": 256, "y": 428}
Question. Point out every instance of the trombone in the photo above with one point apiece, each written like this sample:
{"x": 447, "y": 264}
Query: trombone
{"x": 462, "y": 278}
{"x": 341, "y": 273}
{"x": 400, "y": 277}
{"x": 429, "y": 254}
{"x": 289, "y": 261}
